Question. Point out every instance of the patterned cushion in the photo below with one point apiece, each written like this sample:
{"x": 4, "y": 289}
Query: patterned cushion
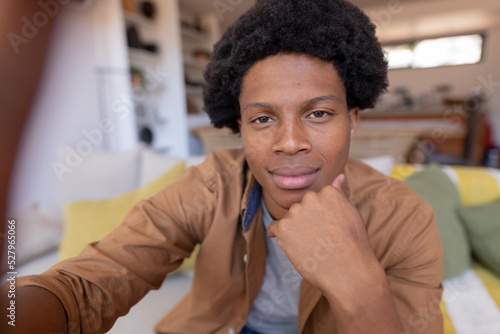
{"x": 476, "y": 185}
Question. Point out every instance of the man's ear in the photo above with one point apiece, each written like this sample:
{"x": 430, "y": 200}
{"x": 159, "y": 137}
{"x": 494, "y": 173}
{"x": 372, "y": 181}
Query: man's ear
{"x": 239, "y": 123}
{"x": 354, "y": 118}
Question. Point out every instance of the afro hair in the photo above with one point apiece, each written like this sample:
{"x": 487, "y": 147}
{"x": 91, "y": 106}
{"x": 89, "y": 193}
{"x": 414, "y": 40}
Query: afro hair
{"x": 333, "y": 30}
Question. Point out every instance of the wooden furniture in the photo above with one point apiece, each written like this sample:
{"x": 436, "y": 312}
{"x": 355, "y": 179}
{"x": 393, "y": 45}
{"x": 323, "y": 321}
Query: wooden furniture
{"x": 448, "y": 135}
{"x": 216, "y": 139}
{"x": 372, "y": 142}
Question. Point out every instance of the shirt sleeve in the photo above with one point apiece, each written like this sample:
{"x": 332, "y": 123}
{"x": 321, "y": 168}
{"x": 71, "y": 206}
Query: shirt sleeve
{"x": 112, "y": 275}
{"x": 415, "y": 274}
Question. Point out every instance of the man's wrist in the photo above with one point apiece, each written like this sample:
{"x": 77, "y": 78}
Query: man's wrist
{"x": 368, "y": 306}
{"x": 365, "y": 288}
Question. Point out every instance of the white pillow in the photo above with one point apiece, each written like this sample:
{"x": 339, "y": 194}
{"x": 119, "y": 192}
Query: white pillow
{"x": 153, "y": 165}
{"x": 383, "y": 164}
{"x": 100, "y": 175}
{"x": 37, "y": 232}
{"x": 195, "y": 160}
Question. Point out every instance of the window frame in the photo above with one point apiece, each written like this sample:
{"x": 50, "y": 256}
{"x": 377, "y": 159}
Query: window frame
{"x": 413, "y": 42}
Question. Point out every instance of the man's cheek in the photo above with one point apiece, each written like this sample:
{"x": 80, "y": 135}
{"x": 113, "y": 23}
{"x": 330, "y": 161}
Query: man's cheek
{"x": 251, "y": 153}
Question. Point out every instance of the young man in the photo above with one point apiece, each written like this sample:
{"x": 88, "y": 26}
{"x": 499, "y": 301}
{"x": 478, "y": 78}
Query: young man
{"x": 294, "y": 236}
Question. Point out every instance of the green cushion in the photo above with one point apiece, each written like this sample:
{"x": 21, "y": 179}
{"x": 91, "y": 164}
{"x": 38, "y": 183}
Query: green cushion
{"x": 483, "y": 224}
{"x": 439, "y": 191}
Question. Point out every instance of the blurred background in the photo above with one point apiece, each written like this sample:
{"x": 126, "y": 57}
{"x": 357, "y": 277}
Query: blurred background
{"x": 87, "y": 77}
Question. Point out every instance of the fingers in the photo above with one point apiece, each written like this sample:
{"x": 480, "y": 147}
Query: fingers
{"x": 272, "y": 230}
{"x": 338, "y": 182}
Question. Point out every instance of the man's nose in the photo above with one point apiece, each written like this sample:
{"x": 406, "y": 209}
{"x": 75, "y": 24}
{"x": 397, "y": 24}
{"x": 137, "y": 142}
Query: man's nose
{"x": 291, "y": 137}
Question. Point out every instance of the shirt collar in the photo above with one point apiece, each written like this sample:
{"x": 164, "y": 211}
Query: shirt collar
{"x": 253, "y": 203}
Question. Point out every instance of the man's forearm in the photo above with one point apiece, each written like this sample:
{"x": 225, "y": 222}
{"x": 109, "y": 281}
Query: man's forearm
{"x": 369, "y": 309}
{"x": 37, "y": 310}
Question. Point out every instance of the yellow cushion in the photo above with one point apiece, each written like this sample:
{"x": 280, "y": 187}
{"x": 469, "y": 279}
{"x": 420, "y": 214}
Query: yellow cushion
{"x": 89, "y": 221}
{"x": 403, "y": 171}
{"x": 448, "y": 324}
{"x": 476, "y": 185}
{"x": 490, "y": 280}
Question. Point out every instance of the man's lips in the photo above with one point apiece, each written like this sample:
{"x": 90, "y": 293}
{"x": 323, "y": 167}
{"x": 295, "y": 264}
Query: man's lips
{"x": 296, "y": 177}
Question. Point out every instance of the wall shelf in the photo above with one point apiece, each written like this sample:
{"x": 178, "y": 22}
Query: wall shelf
{"x": 143, "y": 55}
{"x": 193, "y": 62}
{"x": 194, "y": 35}
{"x": 158, "y": 78}
{"x": 194, "y": 90}
{"x": 138, "y": 19}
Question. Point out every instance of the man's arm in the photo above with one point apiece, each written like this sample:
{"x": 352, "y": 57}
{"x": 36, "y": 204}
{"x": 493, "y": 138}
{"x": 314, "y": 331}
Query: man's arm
{"x": 24, "y": 62}
{"x": 366, "y": 306}
{"x": 37, "y": 310}
{"x": 110, "y": 276}
{"x": 21, "y": 65}
{"x": 347, "y": 271}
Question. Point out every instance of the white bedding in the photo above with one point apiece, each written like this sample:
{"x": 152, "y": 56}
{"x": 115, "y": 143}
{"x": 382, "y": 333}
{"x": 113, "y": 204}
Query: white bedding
{"x": 470, "y": 306}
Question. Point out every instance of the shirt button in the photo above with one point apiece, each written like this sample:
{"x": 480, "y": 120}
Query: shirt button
{"x": 230, "y": 331}
{"x": 245, "y": 258}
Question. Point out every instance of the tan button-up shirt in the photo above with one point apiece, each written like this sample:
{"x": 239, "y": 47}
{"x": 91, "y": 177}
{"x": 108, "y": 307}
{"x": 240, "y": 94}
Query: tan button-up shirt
{"x": 217, "y": 205}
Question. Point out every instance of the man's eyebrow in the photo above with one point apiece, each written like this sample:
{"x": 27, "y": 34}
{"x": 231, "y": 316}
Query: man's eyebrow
{"x": 260, "y": 105}
{"x": 263, "y": 105}
{"x": 321, "y": 98}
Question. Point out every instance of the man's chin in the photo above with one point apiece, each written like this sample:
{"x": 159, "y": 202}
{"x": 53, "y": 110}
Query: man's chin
{"x": 287, "y": 198}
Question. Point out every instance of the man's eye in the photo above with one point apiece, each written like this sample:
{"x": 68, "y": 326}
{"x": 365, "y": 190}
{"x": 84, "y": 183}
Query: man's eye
{"x": 317, "y": 114}
{"x": 263, "y": 119}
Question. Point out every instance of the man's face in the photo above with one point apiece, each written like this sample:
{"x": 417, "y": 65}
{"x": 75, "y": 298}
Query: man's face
{"x": 295, "y": 127}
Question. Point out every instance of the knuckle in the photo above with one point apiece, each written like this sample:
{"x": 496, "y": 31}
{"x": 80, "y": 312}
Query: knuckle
{"x": 293, "y": 209}
{"x": 284, "y": 227}
{"x": 309, "y": 196}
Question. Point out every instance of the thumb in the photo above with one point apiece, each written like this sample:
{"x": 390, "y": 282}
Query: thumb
{"x": 339, "y": 181}
{"x": 272, "y": 229}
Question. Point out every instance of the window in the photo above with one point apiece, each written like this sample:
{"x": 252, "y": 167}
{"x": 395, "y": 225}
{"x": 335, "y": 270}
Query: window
{"x": 446, "y": 51}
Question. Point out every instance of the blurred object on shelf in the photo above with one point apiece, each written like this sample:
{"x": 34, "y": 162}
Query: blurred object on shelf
{"x": 202, "y": 56}
{"x": 492, "y": 153}
{"x": 134, "y": 41}
{"x": 129, "y": 6}
{"x": 474, "y": 144}
{"x": 136, "y": 77}
{"x": 146, "y": 135}
{"x": 405, "y": 99}
{"x": 441, "y": 93}
{"x": 192, "y": 107}
{"x": 191, "y": 21}
{"x": 424, "y": 101}
{"x": 194, "y": 77}
{"x": 141, "y": 113}
{"x": 492, "y": 158}
{"x": 151, "y": 47}
{"x": 148, "y": 9}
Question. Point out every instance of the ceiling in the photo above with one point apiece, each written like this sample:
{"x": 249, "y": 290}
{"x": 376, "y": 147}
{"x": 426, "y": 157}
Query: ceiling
{"x": 377, "y": 3}
{"x": 208, "y": 5}
{"x": 421, "y": 18}
{"x": 242, "y": 6}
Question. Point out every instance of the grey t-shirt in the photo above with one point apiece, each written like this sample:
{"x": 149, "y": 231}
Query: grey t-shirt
{"x": 275, "y": 309}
